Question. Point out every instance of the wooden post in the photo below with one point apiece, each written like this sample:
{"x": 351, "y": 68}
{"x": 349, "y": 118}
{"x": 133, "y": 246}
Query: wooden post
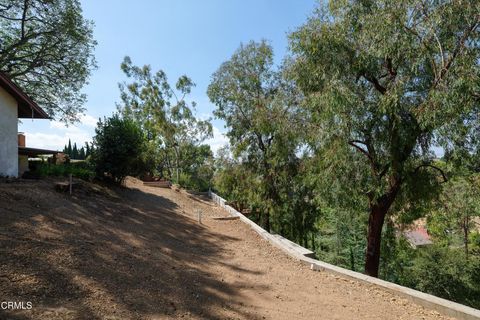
{"x": 199, "y": 216}
{"x": 70, "y": 185}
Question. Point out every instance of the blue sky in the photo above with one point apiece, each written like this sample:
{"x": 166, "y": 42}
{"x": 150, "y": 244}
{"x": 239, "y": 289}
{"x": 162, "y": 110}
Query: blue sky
{"x": 190, "y": 37}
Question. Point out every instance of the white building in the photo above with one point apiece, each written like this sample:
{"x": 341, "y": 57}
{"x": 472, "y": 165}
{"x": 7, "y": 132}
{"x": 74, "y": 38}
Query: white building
{"x": 14, "y": 104}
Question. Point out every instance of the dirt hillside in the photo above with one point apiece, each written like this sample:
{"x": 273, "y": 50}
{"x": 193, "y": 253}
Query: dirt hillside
{"x": 139, "y": 253}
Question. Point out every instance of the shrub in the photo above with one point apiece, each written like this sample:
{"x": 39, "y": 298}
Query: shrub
{"x": 81, "y": 170}
{"x": 119, "y": 145}
{"x": 197, "y": 182}
{"x": 447, "y": 273}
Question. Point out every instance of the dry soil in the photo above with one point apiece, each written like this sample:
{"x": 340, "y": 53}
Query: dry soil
{"x": 139, "y": 253}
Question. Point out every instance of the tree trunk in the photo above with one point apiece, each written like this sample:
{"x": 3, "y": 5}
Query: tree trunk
{"x": 465, "y": 226}
{"x": 375, "y": 225}
{"x": 177, "y": 165}
{"x": 378, "y": 211}
{"x": 266, "y": 221}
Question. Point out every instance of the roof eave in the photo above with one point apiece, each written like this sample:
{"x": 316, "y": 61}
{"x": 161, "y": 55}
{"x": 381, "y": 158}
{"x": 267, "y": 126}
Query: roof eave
{"x": 27, "y": 108}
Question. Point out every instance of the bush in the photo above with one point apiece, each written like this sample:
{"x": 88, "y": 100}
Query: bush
{"x": 447, "y": 273}
{"x": 81, "y": 170}
{"x": 119, "y": 146}
{"x": 194, "y": 182}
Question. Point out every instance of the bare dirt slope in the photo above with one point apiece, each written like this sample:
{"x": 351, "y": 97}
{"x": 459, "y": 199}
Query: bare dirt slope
{"x": 139, "y": 253}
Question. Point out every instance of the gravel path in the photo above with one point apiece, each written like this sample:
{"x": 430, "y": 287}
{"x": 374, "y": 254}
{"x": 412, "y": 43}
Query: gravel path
{"x": 139, "y": 253}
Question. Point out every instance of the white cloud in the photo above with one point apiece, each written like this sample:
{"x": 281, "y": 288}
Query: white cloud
{"x": 58, "y": 134}
{"x": 219, "y": 140}
{"x": 54, "y": 141}
{"x": 85, "y": 120}
{"x": 57, "y": 125}
{"x": 204, "y": 116}
{"x": 88, "y": 120}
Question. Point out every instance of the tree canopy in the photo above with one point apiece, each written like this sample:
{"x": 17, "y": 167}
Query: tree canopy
{"x": 167, "y": 117}
{"x": 47, "y": 49}
{"x": 389, "y": 80}
{"x": 259, "y": 107}
{"x": 118, "y": 148}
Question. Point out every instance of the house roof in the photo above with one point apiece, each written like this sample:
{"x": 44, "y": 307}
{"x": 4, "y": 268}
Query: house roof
{"x": 33, "y": 152}
{"x": 418, "y": 237}
{"x": 27, "y": 108}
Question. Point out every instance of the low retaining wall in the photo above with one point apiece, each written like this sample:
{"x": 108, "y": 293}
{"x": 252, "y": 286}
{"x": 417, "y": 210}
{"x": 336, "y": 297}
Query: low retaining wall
{"x": 446, "y": 307}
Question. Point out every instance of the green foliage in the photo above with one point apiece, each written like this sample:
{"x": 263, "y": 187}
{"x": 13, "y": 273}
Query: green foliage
{"x": 385, "y": 79}
{"x": 119, "y": 146}
{"x": 341, "y": 238}
{"x": 78, "y": 154}
{"x": 453, "y": 222}
{"x": 237, "y": 184}
{"x": 446, "y": 273}
{"x": 197, "y": 164}
{"x": 81, "y": 170}
{"x": 337, "y": 143}
{"x": 47, "y": 49}
{"x": 260, "y": 111}
{"x": 174, "y": 134}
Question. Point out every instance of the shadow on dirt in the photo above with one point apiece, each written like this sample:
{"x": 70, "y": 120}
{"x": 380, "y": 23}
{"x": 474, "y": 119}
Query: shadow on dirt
{"x": 107, "y": 252}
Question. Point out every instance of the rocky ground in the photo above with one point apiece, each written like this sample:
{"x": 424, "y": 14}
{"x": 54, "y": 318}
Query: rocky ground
{"x": 139, "y": 253}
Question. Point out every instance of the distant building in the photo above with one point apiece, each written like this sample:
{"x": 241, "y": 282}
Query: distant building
{"x": 417, "y": 236}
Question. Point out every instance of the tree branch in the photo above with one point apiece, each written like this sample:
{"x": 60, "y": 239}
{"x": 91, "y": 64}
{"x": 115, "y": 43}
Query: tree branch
{"x": 24, "y": 16}
{"x": 458, "y": 49}
{"x": 428, "y": 165}
{"x": 365, "y": 152}
{"x": 375, "y": 83}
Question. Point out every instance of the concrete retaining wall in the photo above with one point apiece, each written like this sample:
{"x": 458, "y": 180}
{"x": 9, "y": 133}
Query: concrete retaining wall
{"x": 446, "y": 307}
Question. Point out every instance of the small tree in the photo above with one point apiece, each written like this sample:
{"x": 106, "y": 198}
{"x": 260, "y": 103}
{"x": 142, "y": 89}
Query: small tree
{"x": 118, "y": 148}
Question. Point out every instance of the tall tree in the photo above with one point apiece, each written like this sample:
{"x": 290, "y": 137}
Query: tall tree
{"x": 389, "y": 80}
{"x": 164, "y": 113}
{"x": 46, "y": 47}
{"x": 81, "y": 153}
{"x": 256, "y": 104}
{"x": 69, "y": 148}
{"x": 87, "y": 149}
{"x": 75, "y": 151}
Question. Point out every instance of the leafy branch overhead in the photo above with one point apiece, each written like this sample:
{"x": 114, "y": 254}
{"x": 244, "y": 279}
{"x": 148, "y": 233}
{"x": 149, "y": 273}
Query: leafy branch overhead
{"x": 47, "y": 49}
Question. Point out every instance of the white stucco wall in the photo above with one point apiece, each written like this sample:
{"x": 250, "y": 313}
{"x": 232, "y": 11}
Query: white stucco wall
{"x": 8, "y": 135}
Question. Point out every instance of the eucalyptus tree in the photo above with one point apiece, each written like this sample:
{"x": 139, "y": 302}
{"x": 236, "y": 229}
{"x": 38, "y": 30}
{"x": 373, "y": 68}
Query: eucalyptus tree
{"x": 163, "y": 112}
{"x": 46, "y": 47}
{"x": 389, "y": 80}
{"x": 259, "y": 109}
